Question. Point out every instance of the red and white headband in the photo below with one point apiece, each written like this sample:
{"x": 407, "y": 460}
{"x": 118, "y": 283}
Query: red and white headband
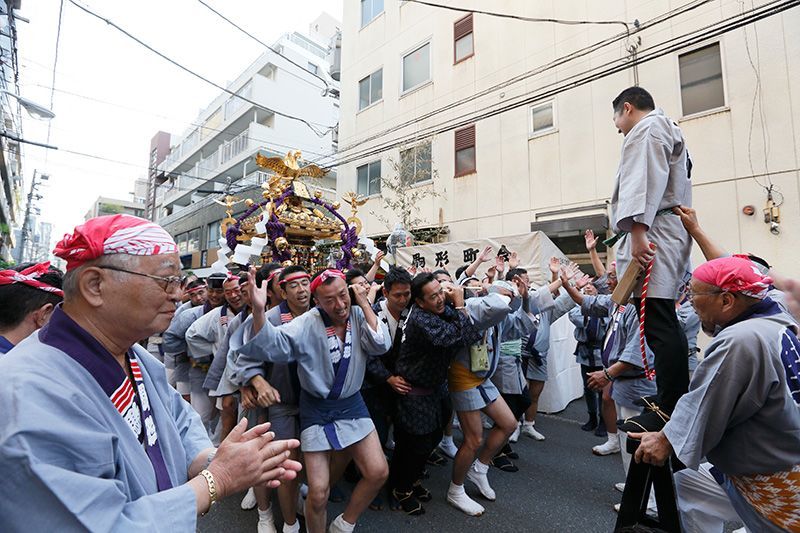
{"x": 113, "y": 234}
{"x": 30, "y": 277}
{"x": 294, "y": 277}
{"x": 324, "y": 276}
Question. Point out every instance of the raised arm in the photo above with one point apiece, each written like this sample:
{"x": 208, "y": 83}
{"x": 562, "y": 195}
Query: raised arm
{"x": 591, "y": 247}
{"x": 485, "y": 255}
{"x": 376, "y": 264}
{"x": 709, "y": 248}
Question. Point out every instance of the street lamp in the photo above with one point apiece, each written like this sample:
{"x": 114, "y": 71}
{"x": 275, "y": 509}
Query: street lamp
{"x": 35, "y": 110}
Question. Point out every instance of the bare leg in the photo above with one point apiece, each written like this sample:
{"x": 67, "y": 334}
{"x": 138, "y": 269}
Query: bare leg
{"x": 472, "y": 428}
{"x": 504, "y": 425}
{"x": 228, "y": 415}
{"x": 263, "y": 496}
{"x": 287, "y": 494}
{"x": 609, "y": 410}
{"x": 368, "y": 456}
{"x": 535, "y": 390}
{"x": 318, "y": 473}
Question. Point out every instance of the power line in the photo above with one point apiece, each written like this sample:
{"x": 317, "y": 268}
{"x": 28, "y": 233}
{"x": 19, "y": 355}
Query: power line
{"x": 55, "y": 63}
{"x": 564, "y": 85}
{"x": 710, "y": 31}
{"x": 262, "y": 43}
{"x": 193, "y": 124}
{"x": 538, "y": 70}
{"x": 310, "y": 125}
{"x": 519, "y": 17}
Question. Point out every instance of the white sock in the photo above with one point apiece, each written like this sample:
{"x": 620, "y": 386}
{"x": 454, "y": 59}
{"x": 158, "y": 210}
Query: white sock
{"x": 344, "y": 524}
{"x": 294, "y": 528}
{"x": 480, "y": 467}
{"x": 528, "y": 423}
{"x": 455, "y": 489}
{"x": 447, "y": 439}
{"x": 612, "y": 437}
{"x": 266, "y": 512}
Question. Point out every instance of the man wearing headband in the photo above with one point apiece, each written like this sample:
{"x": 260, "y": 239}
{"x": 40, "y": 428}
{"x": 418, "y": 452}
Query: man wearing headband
{"x": 712, "y": 250}
{"x": 175, "y": 336}
{"x": 742, "y": 411}
{"x": 92, "y": 436}
{"x": 28, "y": 295}
{"x": 275, "y": 385}
{"x": 331, "y": 344}
{"x": 177, "y": 363}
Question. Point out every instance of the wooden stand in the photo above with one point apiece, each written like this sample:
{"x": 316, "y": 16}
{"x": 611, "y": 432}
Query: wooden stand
{"x": 641, "y": 478}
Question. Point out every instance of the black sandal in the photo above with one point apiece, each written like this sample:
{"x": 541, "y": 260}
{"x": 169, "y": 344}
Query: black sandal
{"x": 421, "y": 493}
{"x": 511, "y": 454}
{"x": 436, "y": 459}
{"x": 502, "y": 462}
{"x": 408, "y": 503}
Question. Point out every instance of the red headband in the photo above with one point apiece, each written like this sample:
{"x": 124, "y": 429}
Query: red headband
{"x": 195, "y": 289}
{"x": 734, "y": 274}
{"x": 272, "y": 275}
{"x": 295, "y": 277}
{"x": 30, "y": 277}
{"x": 325, "y": 276}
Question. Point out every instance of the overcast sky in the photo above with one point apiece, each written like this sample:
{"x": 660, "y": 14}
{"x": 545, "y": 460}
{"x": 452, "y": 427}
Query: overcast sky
{"x": 143, "y": 93}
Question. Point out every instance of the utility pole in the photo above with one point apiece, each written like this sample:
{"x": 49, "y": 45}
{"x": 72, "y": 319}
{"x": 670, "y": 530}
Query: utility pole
{"x": 26, "y": 222}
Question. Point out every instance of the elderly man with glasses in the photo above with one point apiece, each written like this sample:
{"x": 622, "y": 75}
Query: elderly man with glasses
{"x": 742, "y": 411}
{"x": 92, "y": 437}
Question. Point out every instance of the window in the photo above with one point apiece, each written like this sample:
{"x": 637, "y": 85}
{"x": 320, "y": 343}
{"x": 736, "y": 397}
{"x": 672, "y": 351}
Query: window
{"x": 415, "y": 163}
{"x": 701, "y": 80}
{"x": 369, "y": 178}
{"x": 370, "y": 89}
{"x": 181, "y": 241}
{"x": 193, "y": 241}
{"x": 369, "y": 10}
{"x": 212, "y": 240}
{"x": 542, "y": 118}
{"x": 462, "y": 37}
{"x": 465, "y": 151}
{"x": 312, "y": 68}
{"x": 417, "y": 67}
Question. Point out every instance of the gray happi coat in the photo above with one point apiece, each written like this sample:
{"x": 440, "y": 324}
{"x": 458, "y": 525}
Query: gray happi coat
{"x": 653, "y": 176}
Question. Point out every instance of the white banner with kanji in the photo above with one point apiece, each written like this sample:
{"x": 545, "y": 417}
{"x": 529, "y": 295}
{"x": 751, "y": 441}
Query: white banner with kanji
{"x": 533, "y": 249}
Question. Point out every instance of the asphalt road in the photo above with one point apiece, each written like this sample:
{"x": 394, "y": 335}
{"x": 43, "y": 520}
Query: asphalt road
{"x": 560, "y": 487}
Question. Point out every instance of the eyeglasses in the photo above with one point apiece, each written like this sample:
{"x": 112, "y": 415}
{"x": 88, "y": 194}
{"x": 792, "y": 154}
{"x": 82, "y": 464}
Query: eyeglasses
{"x": 170, "y": 283}
{"x": 691, "y": 294}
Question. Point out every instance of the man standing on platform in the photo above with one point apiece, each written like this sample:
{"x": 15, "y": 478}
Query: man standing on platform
{"x": 653, "y": 177}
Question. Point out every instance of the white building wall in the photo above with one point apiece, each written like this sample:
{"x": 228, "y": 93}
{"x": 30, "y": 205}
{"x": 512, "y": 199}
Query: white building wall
{"x": 519, "y": 177}
{"x": 274, "y": 83}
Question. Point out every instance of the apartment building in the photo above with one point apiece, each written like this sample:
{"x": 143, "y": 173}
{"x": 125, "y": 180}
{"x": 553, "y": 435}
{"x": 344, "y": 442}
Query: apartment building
{"x": 217, "y": 152}
{"x": 509, "y": 121}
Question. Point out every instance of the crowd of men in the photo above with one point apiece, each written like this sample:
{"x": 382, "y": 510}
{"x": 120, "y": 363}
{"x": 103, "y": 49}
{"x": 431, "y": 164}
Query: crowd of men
{"x": 281, "y": 381}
